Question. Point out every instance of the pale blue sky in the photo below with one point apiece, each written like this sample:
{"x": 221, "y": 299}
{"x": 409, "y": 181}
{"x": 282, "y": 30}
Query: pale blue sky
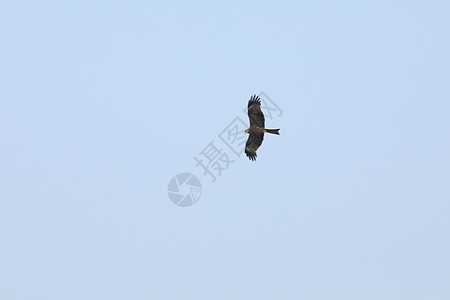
{"x": 103, "y": 102}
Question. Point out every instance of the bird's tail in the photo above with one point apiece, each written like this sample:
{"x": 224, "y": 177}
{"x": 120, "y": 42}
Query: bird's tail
{"x": 273, "y": 131}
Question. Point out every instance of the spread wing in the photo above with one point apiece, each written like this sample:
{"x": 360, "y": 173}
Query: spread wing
{"x": 255, "y": 114}
{"x": 253, "y": 143}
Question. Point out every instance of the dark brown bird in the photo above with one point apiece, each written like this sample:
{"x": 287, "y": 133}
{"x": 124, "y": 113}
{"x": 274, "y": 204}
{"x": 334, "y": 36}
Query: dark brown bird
{"x": 256, "y": 129}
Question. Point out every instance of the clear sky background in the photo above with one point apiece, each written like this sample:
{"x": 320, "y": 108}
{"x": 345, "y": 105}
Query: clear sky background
{"x": 103, "y": 102}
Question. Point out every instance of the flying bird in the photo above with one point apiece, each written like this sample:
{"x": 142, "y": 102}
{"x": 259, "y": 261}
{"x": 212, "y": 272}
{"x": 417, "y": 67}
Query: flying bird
{"x": 256, "y": 129}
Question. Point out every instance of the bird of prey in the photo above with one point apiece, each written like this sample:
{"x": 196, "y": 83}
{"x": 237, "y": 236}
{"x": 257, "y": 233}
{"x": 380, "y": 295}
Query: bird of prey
{"x": 256, "y": 129}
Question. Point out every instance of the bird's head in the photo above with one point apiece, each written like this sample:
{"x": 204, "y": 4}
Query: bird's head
{"x": 246, "y": 131}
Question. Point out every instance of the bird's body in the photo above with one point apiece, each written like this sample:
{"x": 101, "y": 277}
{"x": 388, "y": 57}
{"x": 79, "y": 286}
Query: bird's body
{"x": 256, "y": 129}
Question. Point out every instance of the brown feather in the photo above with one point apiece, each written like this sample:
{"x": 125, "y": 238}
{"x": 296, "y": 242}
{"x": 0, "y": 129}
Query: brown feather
{"x": 255, "y": 114}
{"x": 253, "y": 142}
{"x": 256, "y": 130}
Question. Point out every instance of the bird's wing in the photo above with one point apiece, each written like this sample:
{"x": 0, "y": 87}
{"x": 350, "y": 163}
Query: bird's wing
{"x": 255, "y": 114}
{"x": 253, "y": 142}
